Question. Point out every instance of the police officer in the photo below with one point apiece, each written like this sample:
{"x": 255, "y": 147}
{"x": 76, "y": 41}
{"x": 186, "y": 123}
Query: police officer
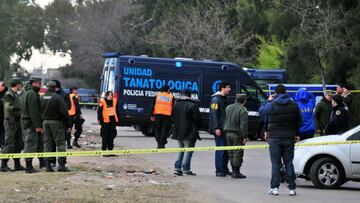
{"x": 31, "y": 122}
{"x": 73, "y": 103}
{"x": 12, "y": 114}
{"x": 162, "y": 115}
{"x": 218, "y": 105}
{"x": 108, "y": 118}
{"x": 54, "y": 113}
{"x": 236, "y": 132}
{"x": 339, "y": 118}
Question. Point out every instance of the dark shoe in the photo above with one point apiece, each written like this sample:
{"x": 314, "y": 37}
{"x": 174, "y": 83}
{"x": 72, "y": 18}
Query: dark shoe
{"x": 229, "y": 173}
{"x": 75, "y": 144}
{"x": 69, "y": 146}
{"x": 220, "y": 175}
{"x": 48, "y": 166}
{"x": 42, "y": 163}
{"x": 29, "y": 168}
{"x": 178, "y": 173}
{"x": 238, "y": 175}
{"x": 18, "y": 166}
{"x": 190, "y": 173}
{"x": 49, "y": 170}
{"x": 5, "y": 169}
{"x": 63, "y": 169}
{"x": 4, "y": 166}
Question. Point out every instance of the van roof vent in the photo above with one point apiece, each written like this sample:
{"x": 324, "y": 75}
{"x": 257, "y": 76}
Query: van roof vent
{"x": 185, "y": 59}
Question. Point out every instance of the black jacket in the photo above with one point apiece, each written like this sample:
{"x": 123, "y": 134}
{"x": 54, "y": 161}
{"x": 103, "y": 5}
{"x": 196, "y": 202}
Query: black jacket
{"x": 186, "y": 119}
{"x": 339, "y": 121}
{"x": 218, "y": 105}
{"x": 2, "y": 103}
{"x": 53, "y": 107}
{"x": 282, "y": 117}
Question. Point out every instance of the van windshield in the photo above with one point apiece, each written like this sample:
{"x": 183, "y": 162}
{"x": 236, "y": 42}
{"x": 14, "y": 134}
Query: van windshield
{"x": 252, "y": 92}
{"x": 109, "y": 75}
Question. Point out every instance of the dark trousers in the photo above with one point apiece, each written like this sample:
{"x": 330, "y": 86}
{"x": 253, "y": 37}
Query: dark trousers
{"x": 2, "y": 133}
{"x": 162, "y": 129}
{"x": 221, "y": 157}
{"x": 78, "y": 129}
{"x": 282, "y": 150}
{"x": 306, "y": 136}
{"x": 108, "y": 133}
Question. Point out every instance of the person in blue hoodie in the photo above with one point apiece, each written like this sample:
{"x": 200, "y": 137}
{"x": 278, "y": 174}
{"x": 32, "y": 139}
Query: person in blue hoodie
{"x": 306, "y": 102}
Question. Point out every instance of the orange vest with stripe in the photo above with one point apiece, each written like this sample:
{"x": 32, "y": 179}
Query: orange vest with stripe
{"x": 72, "y": 110}
{"x": 108, "y": 111}
{"x": 163, "y": 104}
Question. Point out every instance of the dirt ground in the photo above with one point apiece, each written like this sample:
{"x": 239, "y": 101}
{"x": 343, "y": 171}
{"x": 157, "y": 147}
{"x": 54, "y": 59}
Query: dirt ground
{"x": 98, "y": 179}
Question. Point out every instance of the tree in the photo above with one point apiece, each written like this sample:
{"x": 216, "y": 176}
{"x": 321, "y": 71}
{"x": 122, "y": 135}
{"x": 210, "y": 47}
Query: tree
{"x": 21, "y": 29}
{"x": 320, "y": 23}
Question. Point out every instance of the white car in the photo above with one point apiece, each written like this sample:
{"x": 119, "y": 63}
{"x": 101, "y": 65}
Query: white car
{"x": 329, "y": 166}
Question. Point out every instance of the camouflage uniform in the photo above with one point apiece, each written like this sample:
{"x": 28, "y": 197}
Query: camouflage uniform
{"x": 30, "y": 120}
{"x": 13, "y": 136}
{"x": 54, "y": 113}
{"x": 236, "y": 130}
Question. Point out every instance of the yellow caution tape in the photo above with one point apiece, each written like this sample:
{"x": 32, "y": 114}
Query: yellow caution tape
{"x": 319, "y": 91}
{"x": 156, "y": 151}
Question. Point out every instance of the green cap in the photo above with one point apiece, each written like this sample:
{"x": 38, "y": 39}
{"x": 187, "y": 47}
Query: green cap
{"x": 36, "y": 78}
{"x": 15, "y": 81}
{"x": 240, "y": 96}
{"x": 51, "y": 84}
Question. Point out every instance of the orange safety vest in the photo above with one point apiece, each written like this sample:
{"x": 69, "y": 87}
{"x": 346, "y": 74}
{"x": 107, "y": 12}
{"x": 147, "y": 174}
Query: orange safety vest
{"x": 72, "y": 110}
{"x": 163, "y": 104}
{"x": 108, "y": 111}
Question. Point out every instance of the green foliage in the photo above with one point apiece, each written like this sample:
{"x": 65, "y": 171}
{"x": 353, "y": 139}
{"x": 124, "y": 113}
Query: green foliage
{"x": 21, "y": 29}
{"x": 271, "y": 53}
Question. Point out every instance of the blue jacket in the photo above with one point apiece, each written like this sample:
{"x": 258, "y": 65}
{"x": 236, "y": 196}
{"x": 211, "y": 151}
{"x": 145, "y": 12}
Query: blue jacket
{"x": 218, "y": 105}
{"x": 306, "y": 103}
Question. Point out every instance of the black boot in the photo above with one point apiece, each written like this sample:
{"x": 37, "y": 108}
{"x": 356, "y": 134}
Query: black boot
{"x": 4, "y": 166}
{"x": 236, "y": 172}
{"x": 62, "y": 167}
{"x": 42, "y": 163}
{"x": 48, "y": 166}
{"x": 29, "y": 167}
{"x": 18, "y": 166}
{"x": 75, "y": 144}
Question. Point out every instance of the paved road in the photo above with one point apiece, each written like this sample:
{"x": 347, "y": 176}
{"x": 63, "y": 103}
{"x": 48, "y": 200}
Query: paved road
{"x": 256, "y": 166}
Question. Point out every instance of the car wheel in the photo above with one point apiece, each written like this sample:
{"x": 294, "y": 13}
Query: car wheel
{"x": 327, "y": 173}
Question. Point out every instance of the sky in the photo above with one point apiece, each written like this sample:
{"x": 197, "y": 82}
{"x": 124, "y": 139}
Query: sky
{"x": 48, "y": 59}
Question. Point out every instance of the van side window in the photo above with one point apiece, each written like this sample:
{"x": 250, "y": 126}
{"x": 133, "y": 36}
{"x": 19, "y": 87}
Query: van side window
{"x": 355, "y": 136}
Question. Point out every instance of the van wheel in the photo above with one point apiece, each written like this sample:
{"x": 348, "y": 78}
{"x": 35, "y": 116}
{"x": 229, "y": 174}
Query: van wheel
{"x": 327, "y": 173}
{"x": 147, "y": 131}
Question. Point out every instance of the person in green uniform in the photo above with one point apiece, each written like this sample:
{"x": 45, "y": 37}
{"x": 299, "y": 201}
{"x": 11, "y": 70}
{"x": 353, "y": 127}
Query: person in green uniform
{"x": 236, "y": 132}
{"x": 31, "y": 122}
{"x": 13, "y": 136}
{"x": 54, "y": 113}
